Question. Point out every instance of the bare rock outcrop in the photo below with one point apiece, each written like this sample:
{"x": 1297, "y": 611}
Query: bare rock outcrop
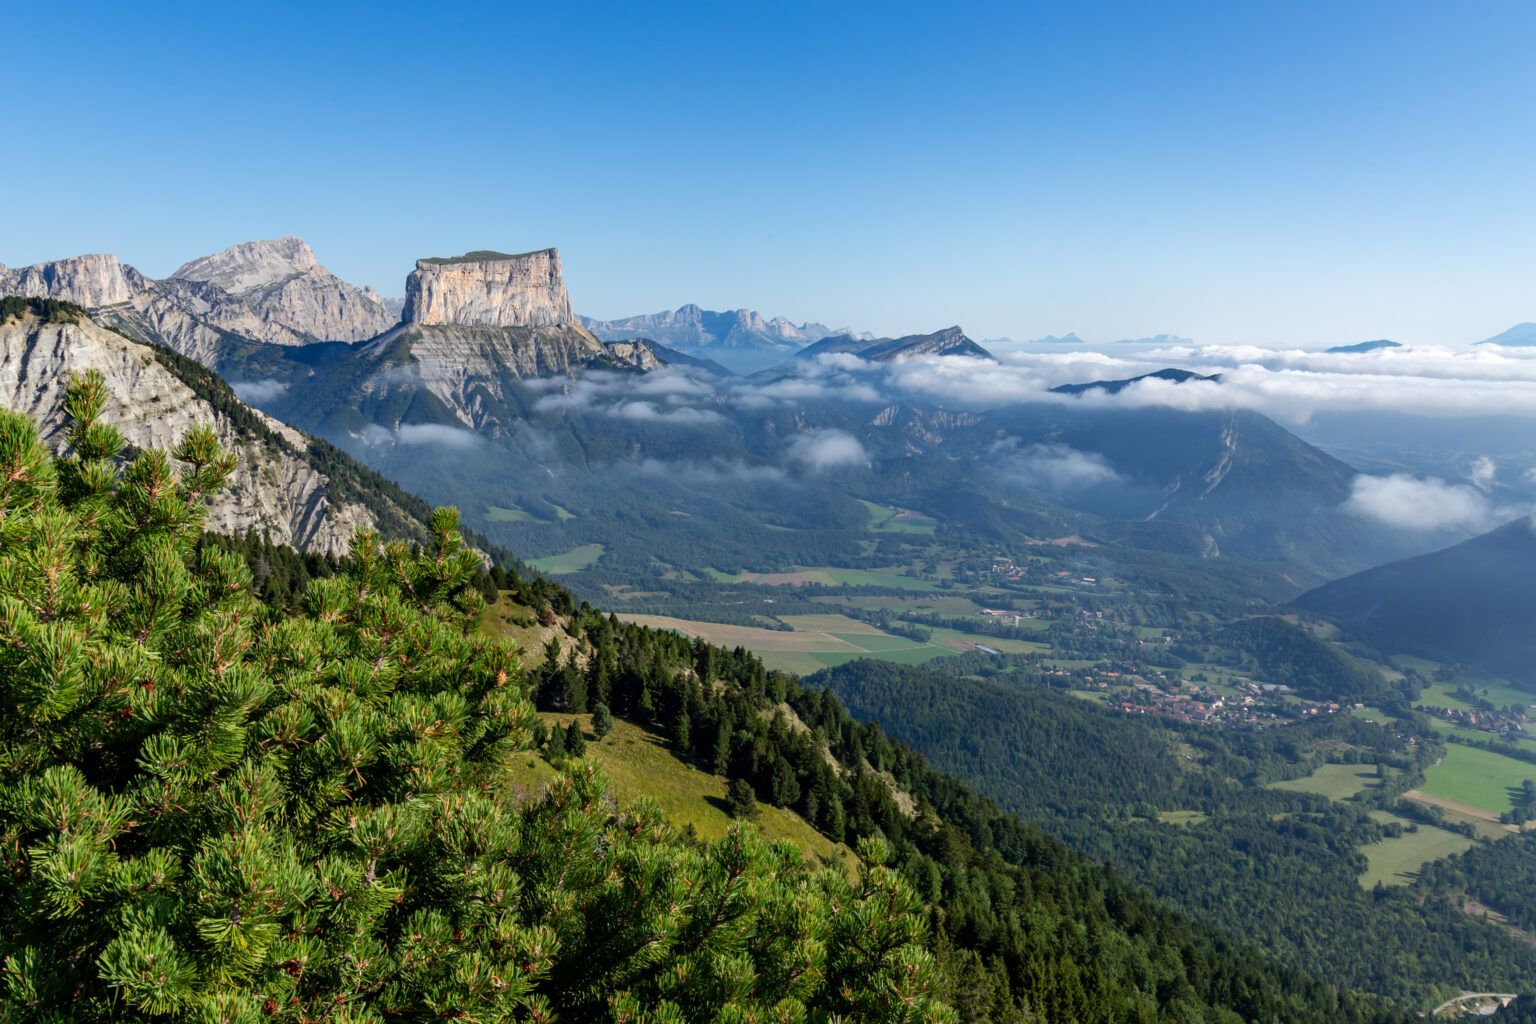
{"x": 270, "y": 291}
{"x": 283, "y": 295}
{"x": 251, "y": 266}
{"x": 275, "y": 488}
{"x": 489, "y": 288}
{"x": 634, "y": 352}
{"x": 97, "y": 279}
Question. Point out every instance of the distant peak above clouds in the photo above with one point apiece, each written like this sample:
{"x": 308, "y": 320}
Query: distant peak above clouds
{"x": 1157, "y": 339}
{"x": 1114, "y": 387}
{"x": 1520, "y": 335}
{"x": 1364, "y": 346}
{"x": 742, "y": 339}
{"x": 949, "y": 342}
{"x": 1071, "y": 338}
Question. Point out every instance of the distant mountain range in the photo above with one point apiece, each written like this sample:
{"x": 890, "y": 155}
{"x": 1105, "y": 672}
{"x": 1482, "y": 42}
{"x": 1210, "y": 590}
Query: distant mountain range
{"x": 1071, "y": 338}
{"x": 949, "y": 342}
{"x": 1114, "y": 387}
{"x": 741, "y": 339}
{"x": 1364, "y": 346}
{"x": 1518, "y": 335}
{"x": 273, "y": 292}
{"x": 1473, "y": 603}
{"x": 1157, "y": 339}
{"x": 489, "y": 393}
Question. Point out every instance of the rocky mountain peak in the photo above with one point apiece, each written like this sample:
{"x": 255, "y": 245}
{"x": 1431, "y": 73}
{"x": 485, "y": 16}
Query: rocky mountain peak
{"x": 250, "y": 266}
{"x": 489, "y": 288}
{"x": 951, "y": 341}
{"x": 94, "y": 280}
{"x": 290, "y": 295}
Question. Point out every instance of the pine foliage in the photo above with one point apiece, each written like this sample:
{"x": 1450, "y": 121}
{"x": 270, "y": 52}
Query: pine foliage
{"x": 212, "y": 810}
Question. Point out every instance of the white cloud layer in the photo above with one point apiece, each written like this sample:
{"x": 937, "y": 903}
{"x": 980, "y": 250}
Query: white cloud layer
{"x": 1423, "y": 504}
{"x": 823, "y": 450}
{"x": 715, "y": 471}
{"x": 254, "y": 392}
{"x": 1290, "y": 385}
{"x": 1054, "y": 468}
{"x": 437, "y": 434}
{"x": 1483, "y": 472}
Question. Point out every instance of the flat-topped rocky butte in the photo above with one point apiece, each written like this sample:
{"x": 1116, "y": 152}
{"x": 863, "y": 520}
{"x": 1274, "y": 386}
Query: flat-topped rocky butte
{"x": 489, "y": 288}
{"x": 97, "y": 279}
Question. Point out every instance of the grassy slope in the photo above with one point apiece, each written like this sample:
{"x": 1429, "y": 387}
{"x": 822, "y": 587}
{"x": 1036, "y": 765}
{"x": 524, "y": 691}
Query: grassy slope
{"x": 639, "y": 765}
{"x": 574, "y": 560}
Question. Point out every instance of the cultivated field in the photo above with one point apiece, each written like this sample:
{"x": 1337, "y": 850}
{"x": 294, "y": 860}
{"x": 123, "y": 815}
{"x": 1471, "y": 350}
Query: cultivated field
{"x": 829, "y": 576}
{"x": 817, "y": 642}
{"x": 1334, "y": 781}
{"x": 890, "y": 519}
{"x": 1396, "y": 861}
{"x": 1479, "y": 778}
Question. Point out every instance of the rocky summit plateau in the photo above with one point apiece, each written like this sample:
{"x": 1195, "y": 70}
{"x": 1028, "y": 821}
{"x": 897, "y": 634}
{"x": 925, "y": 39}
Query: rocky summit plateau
{"x": 489, "y": 288}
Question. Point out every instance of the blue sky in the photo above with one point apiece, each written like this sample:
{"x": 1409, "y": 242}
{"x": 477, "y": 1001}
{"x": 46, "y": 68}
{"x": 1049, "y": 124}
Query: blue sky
{"x": 1250, "y": 172}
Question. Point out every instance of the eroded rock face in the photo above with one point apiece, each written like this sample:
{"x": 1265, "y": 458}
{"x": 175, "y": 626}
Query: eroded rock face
{"x": 94, "y": 280}
{"x": 634, "y": 352}
{"x": 489, "y": 288}
{"x": 272, "y": 291}
{"x": 274, "y": 487}
{"x": 283, "y": 295}
{"x": 251, "y": 265}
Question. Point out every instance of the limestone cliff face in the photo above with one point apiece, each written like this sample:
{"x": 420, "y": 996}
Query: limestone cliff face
{"x": 274, "y": 487}
{"x": 191, "y": 318}
{"x": 283, "y": 295}
{"x": 269, "y": 291}
{"x": 489, "y": 288}
{"x": 465, "y": 365}
{"x": 250, "y": 266}
{"x": 634, "y": 352}
{"x": 94, "y": 280}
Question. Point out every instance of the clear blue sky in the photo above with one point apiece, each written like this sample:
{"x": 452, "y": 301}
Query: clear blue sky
{"x": 1294, "y": 172}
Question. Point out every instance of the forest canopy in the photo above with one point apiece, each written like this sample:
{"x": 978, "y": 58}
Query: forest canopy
{"x": 216, "y": 810}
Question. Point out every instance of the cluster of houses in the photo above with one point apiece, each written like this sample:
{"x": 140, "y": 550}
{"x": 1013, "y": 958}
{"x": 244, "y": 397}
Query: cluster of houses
{"x": 1008, "y": 617}
{"x": 1503, "y": 723}
{"x": 1255, "y": 704}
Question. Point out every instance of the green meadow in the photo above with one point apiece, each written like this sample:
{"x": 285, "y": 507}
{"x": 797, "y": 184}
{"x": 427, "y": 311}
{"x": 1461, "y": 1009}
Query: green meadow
{"x": 574, "y": 560}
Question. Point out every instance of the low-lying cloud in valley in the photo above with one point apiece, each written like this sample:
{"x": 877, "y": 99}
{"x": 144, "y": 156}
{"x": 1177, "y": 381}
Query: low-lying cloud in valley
{"x": 1053, "y": 468}
{"x": 1424, "y": 504}
{"x": 255, "y": 392}
{"x": 823, "y": 450}
{"x": 437, "y": 435}
{"x": 664, "y": 396}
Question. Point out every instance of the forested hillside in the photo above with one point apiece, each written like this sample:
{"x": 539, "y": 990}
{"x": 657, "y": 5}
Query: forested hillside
{"x": 215, "y": 811}
{"x": 220, "y": 807}
{"x": 1276, "y": 866}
